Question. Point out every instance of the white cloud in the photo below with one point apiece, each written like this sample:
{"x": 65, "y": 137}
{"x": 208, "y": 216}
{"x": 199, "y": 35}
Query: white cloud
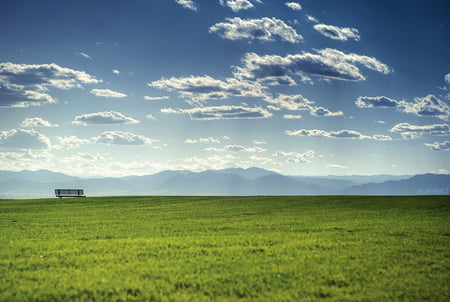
{"x": 33, "y": 122}
{"x": 202, "y": 140}
{"x": 103, "y": 118}
{"x": 409, "y": 131}
{"x": 320, "y": 111}
{"x": 222, "y": 112}
{"x": 261, "y": 29}
{"x": 293, "y": 5}
{"x": 336, "y": 166}
{"x": 85, "y": 55}
{"x": 116, "y": 71}
{"x": 447, "y": 78}
{"x": 238, "y": 148}
{"x": 108, "y": 93}
{"x": 297, "y": 102}
{"x": 378, "y": 101}
{"x": 351, "y": 134}
{"x": 324, "y": 64}
{"x": 70, "y": 142}
{"x": 237, "y": 5}
{"x": 189, "y": 4}
{"x": 312, "y": 19}
{"x": 337, "y": 33}
{"x": 23, "y": 139}
{"x": 427, "y": 106}
{"x": 122, "y": 138}
{"x": 200, "y": 88}
{"x": 155, "y": 98}
{"x": 444, "y": 146}
{"x": 295, "y": 157}
{"x": 150, "y": 117}
{"x": 292, "y": 116}
{"x": 24, "y": 85}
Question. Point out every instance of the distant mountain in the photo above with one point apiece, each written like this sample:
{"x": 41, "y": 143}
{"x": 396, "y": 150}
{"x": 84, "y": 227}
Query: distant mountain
{"x": 252, "y": 181}
{"x": 416, "y": 185}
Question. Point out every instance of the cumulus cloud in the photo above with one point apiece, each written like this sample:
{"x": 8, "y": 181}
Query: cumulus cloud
{"x": 200, "y": 88}
{"x": 222, "y": 112}
{"x": 409, "y": 131}
{"x": 426, "y": 106}
{"x": 297, "y": 102}
{"x": 444, "y": 146}
{"x": 189, "y": 4}
{"x": 103, "y": 118}
{"x": 295, "y": 157}
{"x": 202, "y": 140}
{"x": 122, "y": 138}
{"x": 107, "y": 93}
{"x": 350, "y": 134}
{"x": 447, "y": 78}
{"x": 293, "y": 5}
{"x": 24, "y": 85}
{"x": 260, "y": 29}
{"x": 238, "y": 148}
{"x": 34, "y": 122}
{"x": 337, "y": 33}
{"x": 70, "y": 142}
{"x": 237, "y": 5}
{"x": 324, "y": 64}
{"x": 155, "y": 98}
{"x": 23, "y": 139}
{"x": 377, "y": 101}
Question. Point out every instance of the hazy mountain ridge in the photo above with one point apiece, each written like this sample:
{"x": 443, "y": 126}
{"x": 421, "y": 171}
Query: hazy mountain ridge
{"x": 235, "y": 181}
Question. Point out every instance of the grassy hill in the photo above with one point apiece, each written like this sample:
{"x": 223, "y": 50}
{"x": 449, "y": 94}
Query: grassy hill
{"x": 334, "y": 248}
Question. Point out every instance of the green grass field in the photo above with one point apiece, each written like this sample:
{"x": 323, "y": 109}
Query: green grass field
{"x": 335, "y": 248}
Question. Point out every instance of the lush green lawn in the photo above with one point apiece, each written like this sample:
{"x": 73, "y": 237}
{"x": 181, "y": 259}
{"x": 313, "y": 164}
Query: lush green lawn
{"x": 333, "y": 248}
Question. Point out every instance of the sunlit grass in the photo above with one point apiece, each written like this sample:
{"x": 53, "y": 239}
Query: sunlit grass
{"x": 331, "y": 248}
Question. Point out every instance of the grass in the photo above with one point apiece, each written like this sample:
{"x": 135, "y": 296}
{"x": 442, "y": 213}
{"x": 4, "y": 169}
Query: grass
{"x": 334, "y": 248}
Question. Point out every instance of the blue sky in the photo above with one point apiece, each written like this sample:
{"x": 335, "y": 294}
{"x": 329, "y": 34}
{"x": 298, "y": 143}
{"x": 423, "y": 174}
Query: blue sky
{"x": 311, "y": 87}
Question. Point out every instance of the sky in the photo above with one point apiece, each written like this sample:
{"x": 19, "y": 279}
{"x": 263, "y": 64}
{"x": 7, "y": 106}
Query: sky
{"x": 309, "y": 87}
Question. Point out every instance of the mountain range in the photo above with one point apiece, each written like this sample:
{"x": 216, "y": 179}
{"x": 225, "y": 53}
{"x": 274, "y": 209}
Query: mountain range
{"x": 236, "y": 181}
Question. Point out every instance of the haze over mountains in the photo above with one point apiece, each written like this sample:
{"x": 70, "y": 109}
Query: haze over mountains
{"x": 236, "y": 181}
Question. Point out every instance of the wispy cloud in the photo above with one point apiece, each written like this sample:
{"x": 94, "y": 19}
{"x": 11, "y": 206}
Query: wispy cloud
{"x": 189, "y": 4}
{"x": 107, "y": 93}
{"x": 292, "y": 116}
{"x": 336, "y": 166}
{"x": 238, "y": 148}
{"x": 293, "y": 5}
{"x": 256, "y": 29}
{"x": 444, "y": 146}
{"x": 409, "y": 131}
{"x": 24, "y": 85}
{"x": 34, "y": 122}
{"x": 296, "y": 157}
{"x": 155, "y": 98}
{"x": 337, "y": 33}
{"x": 349, "y": 134}
{"x": 116, "y": 71}
{"x": 202, "y": 140}
{"x": 84, "y": 55}
{"x": 328, "y": 64}
{"x": 70, "y": 142}
{"x": 222, "y": 112}
{"x": 103, "y": 118}
{"x": 200, "y": 88}
{"x": 23, "y": 139}
{"x": 122, "y": 138}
